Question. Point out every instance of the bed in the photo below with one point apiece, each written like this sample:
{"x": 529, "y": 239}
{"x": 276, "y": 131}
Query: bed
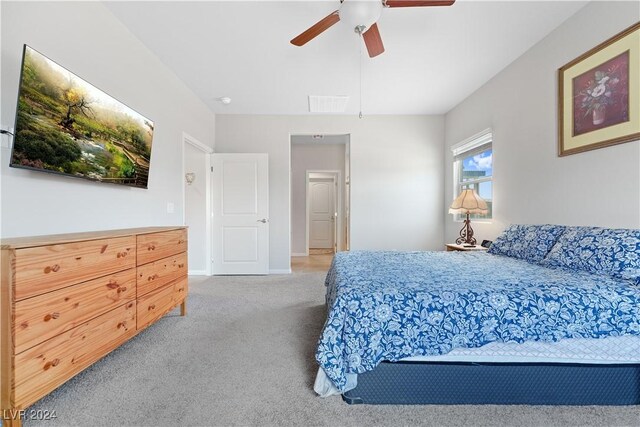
{"x": 550, "y": 315}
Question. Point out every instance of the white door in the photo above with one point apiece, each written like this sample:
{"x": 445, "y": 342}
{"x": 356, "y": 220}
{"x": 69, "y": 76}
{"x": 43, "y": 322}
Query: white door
{"x": 240, "y": 213}
{"x": 321, "y": 213}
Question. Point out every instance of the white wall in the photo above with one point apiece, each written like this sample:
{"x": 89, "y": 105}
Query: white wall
{"x": 306, "y": 157}
{"x": 87, "y": 39}
{"x": 531, "y": 183}
{"x": 396, "y": 175}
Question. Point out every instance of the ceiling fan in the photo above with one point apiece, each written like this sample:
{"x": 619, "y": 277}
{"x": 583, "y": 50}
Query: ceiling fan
{"x": 363, "y": 16}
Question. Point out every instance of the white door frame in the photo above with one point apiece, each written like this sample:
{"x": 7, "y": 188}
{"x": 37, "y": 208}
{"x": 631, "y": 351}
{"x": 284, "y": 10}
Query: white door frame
{"x": 207, "y": 151}
{"x": 348, "y": 145}
{"x": 338, "y": 193}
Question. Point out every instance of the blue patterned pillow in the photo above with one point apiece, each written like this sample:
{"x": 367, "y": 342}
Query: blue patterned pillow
{"x": 528, "y": 242}
{"x": 504, "y": 242}
{"x": 615, "y": 252}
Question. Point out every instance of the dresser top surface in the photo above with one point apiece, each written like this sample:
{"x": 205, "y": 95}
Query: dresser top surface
{"x": 52, "y": 239}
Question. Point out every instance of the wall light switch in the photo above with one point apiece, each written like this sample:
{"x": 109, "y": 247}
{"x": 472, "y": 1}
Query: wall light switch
{"x": 170, "y": 208}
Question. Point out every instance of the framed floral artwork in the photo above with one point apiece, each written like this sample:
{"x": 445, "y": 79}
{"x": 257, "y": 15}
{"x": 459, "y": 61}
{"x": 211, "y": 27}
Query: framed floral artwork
{"x": 599, "y": 95}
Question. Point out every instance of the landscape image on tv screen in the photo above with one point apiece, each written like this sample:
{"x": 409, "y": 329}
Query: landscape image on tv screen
{"x": 65, "y": 125}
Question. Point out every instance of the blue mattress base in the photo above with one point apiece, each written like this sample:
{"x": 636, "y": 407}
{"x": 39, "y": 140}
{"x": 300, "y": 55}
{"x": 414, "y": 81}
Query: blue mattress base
{"x": 460, "y": 383}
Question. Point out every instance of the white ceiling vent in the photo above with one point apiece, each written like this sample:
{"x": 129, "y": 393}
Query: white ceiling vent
{"x": 327, "y": 104}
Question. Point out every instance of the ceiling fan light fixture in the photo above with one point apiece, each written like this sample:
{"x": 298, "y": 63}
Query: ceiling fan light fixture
{"x": 356, "y": 13}
{"x": 362, "y": 16}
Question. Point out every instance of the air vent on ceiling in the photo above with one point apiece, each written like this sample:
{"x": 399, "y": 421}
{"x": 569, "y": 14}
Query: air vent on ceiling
{"x": 328, "y": 104}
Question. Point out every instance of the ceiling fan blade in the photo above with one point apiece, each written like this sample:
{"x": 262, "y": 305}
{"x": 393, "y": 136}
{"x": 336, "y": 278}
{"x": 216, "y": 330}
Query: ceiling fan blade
{"x": 373, "y": 41}
{"x": 316, "y": 29}
{"x": 418, "y": 3}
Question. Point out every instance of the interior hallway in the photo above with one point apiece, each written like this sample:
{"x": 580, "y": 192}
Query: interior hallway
{"x": 311, "y": 264}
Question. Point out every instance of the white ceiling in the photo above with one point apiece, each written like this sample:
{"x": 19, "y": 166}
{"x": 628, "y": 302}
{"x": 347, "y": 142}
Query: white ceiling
{"x": 435, "y": 56}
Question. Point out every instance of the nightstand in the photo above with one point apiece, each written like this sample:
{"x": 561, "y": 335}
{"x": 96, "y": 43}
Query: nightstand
{"x": 454, "y": 247}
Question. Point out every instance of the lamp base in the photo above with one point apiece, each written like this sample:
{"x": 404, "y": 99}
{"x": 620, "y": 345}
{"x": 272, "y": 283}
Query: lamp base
{"x": 466, "y": 234}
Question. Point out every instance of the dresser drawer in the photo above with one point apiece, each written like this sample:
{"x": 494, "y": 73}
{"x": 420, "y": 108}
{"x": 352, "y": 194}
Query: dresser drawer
{"x": 156, "y": 304}
{"x": 44, "y": 269}
{"x": 157, "y": 274}
{"x": 45, "y": 366}
{"x": 44, "y": 316}
{"x": 155, "y": 246}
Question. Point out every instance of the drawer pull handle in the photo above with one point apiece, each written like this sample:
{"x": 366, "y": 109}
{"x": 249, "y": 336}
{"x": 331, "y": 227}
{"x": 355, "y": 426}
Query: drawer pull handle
{"x": 54, "y": 362}
{"x": 54, "y": 268}
{"x": 180, "y": 265}
{"x": 122, "y": 254}
{"x": 112, "y": 285}
{"x": 180, "y": 242}
{"x": 154, "y": 277}
{"x": 54, "y": 315}
{"x": 122, "y": 325}
{"x": 104, "y": 248}
{"x": 151, "y": 247}
{"x": 152, "y": 307}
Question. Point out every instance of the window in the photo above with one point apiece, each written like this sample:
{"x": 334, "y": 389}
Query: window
{"x": 473, "y": 169}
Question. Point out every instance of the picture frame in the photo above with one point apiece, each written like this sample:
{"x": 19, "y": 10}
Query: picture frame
{"x": 599, "y": 95}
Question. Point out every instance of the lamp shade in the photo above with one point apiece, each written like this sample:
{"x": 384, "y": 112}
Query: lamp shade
{"x": 468, "y": 202}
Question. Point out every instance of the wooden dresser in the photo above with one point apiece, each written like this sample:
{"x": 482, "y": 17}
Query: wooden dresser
{"x": 67, "y": 300}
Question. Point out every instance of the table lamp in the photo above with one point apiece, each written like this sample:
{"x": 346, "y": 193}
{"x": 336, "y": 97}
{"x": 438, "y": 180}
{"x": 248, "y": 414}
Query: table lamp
{"x": 468, "y": 202}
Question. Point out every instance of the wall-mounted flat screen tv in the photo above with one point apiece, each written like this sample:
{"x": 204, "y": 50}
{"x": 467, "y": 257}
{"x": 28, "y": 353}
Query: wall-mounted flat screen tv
{"x": 67, "y": 126}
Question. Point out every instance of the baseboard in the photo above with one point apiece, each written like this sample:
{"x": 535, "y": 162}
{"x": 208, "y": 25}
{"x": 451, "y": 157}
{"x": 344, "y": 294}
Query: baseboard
{"x": 299, "y": 254}
{"x": 280, "y": 271}
{"x": 197, "y": 273}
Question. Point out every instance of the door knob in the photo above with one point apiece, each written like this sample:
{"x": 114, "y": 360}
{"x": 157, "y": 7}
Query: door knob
{"x": 263, "y": 220}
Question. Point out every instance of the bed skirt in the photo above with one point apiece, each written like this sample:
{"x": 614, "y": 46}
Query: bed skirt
{"x": 465, "y": 383}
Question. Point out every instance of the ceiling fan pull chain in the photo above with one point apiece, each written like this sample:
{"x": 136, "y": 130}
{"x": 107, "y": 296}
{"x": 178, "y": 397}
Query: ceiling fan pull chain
{"x": 360, "y": 43}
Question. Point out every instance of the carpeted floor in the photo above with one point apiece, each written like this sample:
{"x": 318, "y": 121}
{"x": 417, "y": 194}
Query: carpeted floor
{"x": 244, "y": 356}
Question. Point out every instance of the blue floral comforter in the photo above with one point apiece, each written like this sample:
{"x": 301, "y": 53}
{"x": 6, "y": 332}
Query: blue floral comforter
{"x": 392, "y": 305}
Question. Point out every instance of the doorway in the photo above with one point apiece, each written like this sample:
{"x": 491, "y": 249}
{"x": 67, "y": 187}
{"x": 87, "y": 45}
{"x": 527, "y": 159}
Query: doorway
{"x": 319, "y": 195}
{"x": 196, "y": 203}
